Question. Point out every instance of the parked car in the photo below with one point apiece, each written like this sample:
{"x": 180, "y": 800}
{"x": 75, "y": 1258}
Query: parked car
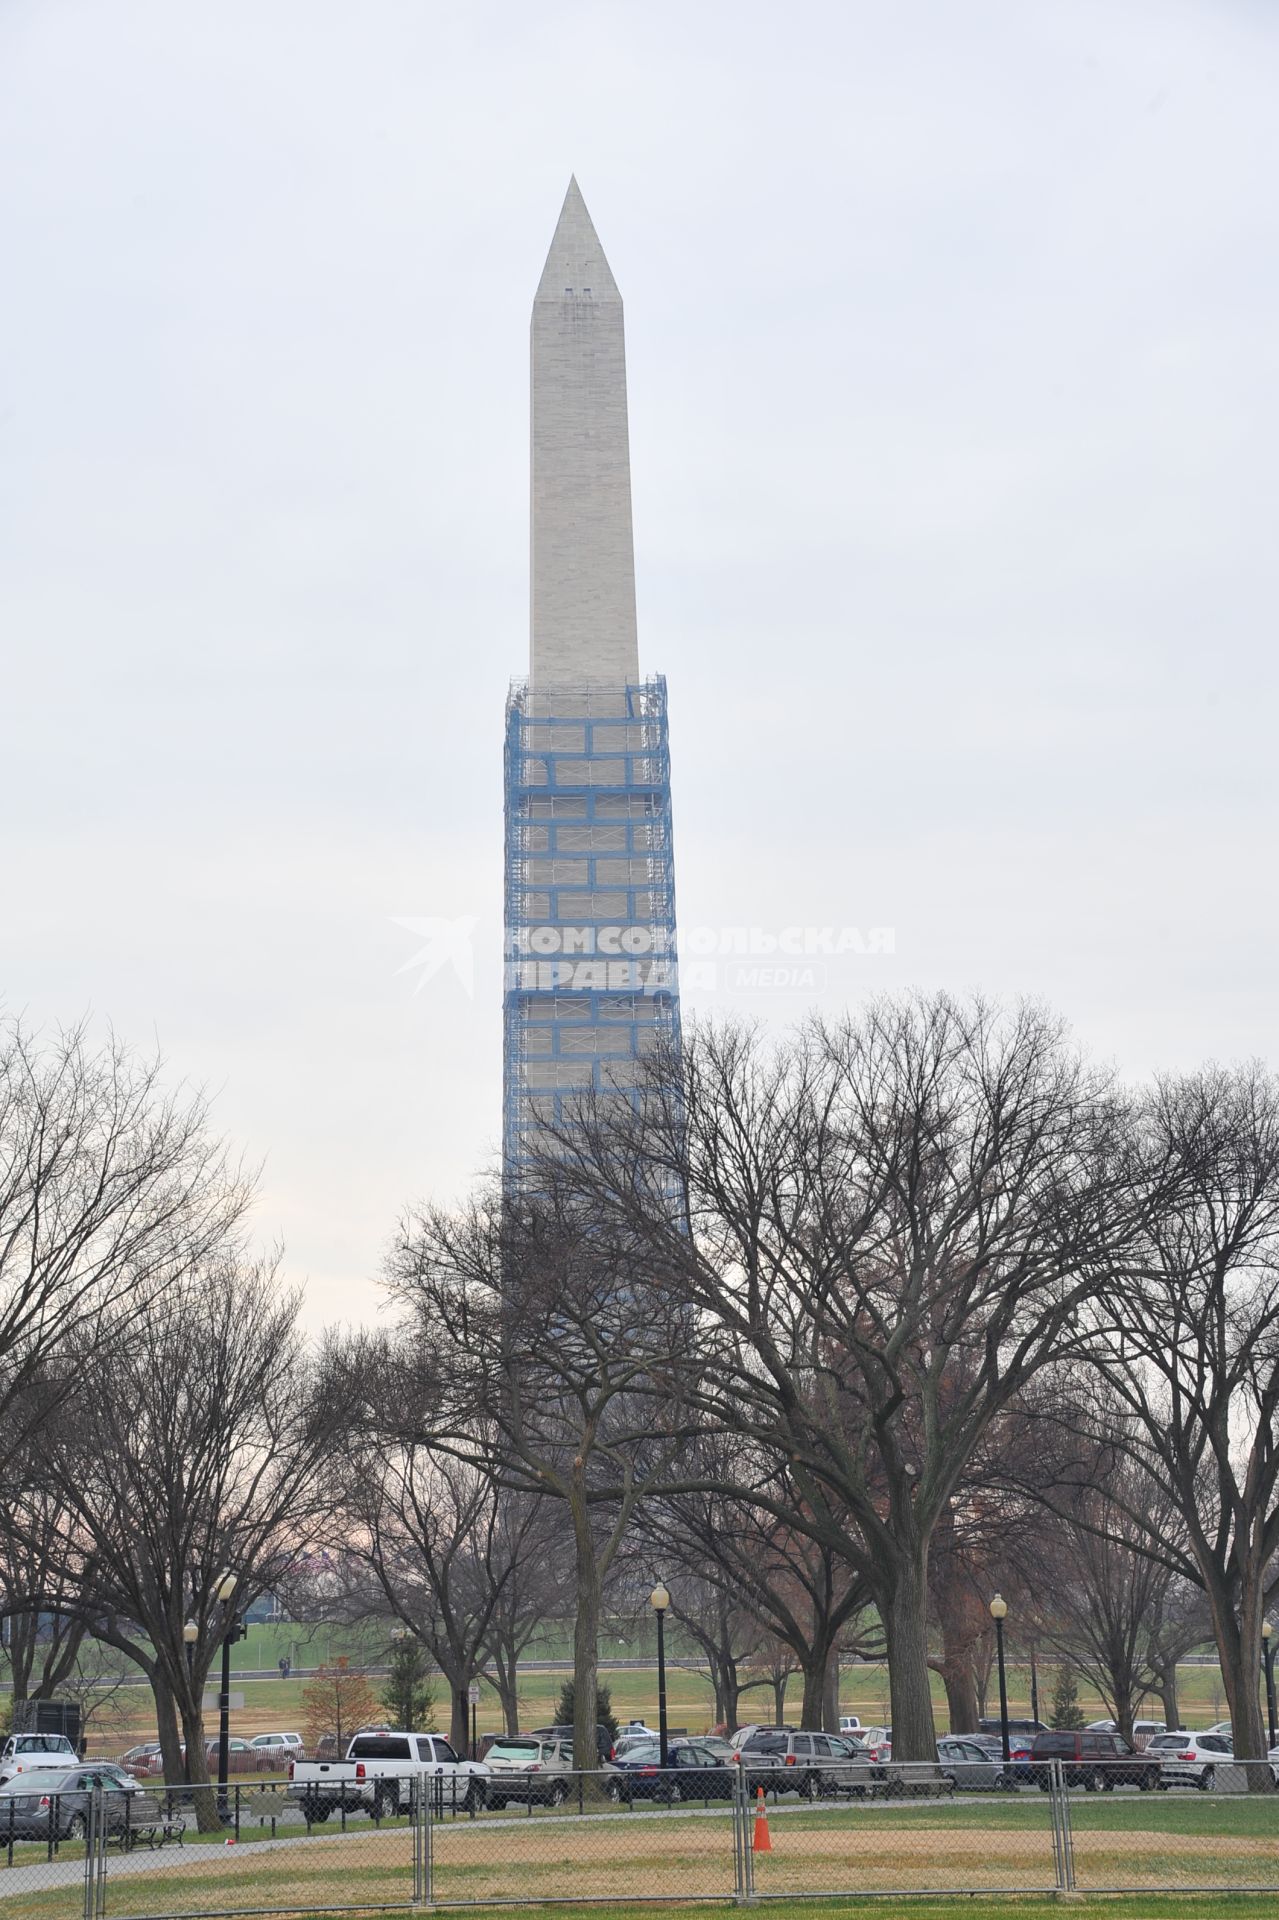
{"x": 52, "y": 1803}
{"x": 782, "y": 1760}
{"x": 969, "y": 1764}
{"x": 716, "y": 1743}
{"x": 604, "y": 1739}
{"x": 140, "y": 1759}
{"x": 878, "y": 1742}
{"x": 849, "y": 1723}
{"x": 1094, "y": 1760}
{"x": 280, "y": 1747}
{"x": 1190, "y": 1759}
{"x": 521, "y": 1767}
{"x": 692, "y": 1772}
{"x": 377, "y": 1774}
{"x": 1143, "y": 1731}
{"x": 1019, "y": 1769}
{"x": 23, "y": 1751}
{"x": 857, "y": 1771}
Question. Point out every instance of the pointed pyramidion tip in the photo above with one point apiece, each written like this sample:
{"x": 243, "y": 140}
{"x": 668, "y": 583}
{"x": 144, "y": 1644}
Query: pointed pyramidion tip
{"x": 576, "y": 267}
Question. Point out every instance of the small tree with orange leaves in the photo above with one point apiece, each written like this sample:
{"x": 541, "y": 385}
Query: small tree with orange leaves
{"x": 338, "y": 1700}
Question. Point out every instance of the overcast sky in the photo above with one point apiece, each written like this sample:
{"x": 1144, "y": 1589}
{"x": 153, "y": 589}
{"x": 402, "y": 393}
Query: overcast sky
{"x": 952, "y": 332}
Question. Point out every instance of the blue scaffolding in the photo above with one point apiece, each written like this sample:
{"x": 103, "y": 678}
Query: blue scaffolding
{"x": 591, "y": 980}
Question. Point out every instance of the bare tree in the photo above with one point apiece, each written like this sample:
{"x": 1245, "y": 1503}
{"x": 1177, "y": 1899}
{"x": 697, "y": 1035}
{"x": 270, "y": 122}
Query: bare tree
{"x": 43, "y": 1609}
{"x": 435, "y": 1543}
{"x": 543, "y": 1357}
{"x": 189, "y": 1449}
{"x": 887, "y": 1227}
{"x": 109, "y": 1187}
{"x": 1191, "y": 1358}
{"x": 796, "y": 1588}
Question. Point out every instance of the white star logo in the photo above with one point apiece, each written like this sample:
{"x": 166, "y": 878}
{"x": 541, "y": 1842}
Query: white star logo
{"x": 447, "y": 943}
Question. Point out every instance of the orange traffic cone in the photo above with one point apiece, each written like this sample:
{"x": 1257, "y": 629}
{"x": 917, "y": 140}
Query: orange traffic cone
{"x": 762, "y": 1842}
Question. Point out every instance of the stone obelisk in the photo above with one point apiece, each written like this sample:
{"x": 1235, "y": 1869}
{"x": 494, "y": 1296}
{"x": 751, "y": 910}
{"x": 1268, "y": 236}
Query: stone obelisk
{"x": 583, "y": 557}
{"x": 591, "y": 996}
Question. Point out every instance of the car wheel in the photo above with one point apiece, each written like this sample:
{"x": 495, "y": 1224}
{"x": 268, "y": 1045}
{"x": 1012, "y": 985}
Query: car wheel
{"x": 559, "y": 1794}
{"x": 77, "y": 1827}
{"x": 316, "y": 1811}
{"x": 1145, "y": 1783}
{"x": 614, "y": 1791}
{"x": 810, "y": 1787}
{"x": 474, "y": 1801}
{"x": 1208, "y": 1779}
{"x": 673, "y": 1795}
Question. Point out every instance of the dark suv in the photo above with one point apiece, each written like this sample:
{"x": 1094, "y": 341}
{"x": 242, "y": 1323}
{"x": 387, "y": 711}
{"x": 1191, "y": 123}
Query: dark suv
{"x": 1094, "y": 1760}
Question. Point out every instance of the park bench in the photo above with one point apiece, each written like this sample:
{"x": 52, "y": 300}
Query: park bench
{"x": 915, "y": 1779}
{"x": 149, "y": 1821}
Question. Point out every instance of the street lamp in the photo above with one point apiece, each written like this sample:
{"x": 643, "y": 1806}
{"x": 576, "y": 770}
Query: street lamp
{"x": 1268, "y": 1654}
{"x": 225, "y": 1592}
{"x": 190, "y": 1634}
{"x": 659, "y": 1599}
{"x": 998, "y": 1609}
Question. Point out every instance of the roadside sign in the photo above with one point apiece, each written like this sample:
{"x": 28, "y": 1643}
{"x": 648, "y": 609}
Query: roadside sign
{"x": 213, "y": 1703}
{"x": 474, "y": 1691}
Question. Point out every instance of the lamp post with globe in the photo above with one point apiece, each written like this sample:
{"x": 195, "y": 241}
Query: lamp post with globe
{"x": 998, "y": 1612}
{"x": 659, "y": 1600}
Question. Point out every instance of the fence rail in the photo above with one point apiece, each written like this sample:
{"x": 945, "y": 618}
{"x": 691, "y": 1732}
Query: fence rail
{"x": 722, "y": 1833}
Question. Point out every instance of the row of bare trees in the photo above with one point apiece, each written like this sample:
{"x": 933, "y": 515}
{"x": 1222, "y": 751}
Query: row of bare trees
{"x": 837, "y": 1332}
{"x": 925, "y": 1289}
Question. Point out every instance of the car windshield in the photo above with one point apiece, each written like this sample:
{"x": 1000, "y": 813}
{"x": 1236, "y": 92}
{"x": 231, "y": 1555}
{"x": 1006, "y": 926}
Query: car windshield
{"x": 520, "y": 1747}
{"x": 1169, "y": 1740}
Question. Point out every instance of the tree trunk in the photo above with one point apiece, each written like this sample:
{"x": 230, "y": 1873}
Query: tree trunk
{"x": 1238, "y": 1638}
{"x": 778, "y": 1684}
{"x": 166, "y": 1723}
{"x": 905, "y": 1616}
{"x": 586, "y": 1631}
{"x": 1167, "y": 1678}
{"x": 505, "y": 1670}
{"x": 962, "y": 1704}
{"x": 830, "y": 1703}
{"x": 813, "y": 1664}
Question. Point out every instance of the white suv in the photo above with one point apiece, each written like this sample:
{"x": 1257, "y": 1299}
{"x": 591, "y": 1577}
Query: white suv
{"x": 287, "y": 1745}
{"x": 1192, "y": 1759}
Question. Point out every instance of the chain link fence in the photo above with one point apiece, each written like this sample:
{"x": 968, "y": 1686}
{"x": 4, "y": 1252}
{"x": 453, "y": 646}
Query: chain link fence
{"x": 727, "y": 1833}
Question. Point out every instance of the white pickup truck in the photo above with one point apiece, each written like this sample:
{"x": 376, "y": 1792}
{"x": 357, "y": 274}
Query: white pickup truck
{"x": 22, "y": 1751}
{"x": 378, "y": 1773}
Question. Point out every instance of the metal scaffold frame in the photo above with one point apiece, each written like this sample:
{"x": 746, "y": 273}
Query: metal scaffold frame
{"x": 591, "y": 981}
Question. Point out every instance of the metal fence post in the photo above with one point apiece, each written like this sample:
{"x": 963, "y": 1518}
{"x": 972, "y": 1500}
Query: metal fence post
{"x": 90, "y": 1855}
{"x": 1063, "y": 1837}
{"x": 744, "y": 1858}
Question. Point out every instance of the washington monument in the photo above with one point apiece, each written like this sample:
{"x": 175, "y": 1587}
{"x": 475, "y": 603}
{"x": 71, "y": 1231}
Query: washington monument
{"x": 590, "y": 978}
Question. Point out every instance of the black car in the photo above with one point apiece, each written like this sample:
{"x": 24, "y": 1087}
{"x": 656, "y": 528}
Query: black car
{"x": 53, "y": 1802}
{"x": 691, "y": 1772}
